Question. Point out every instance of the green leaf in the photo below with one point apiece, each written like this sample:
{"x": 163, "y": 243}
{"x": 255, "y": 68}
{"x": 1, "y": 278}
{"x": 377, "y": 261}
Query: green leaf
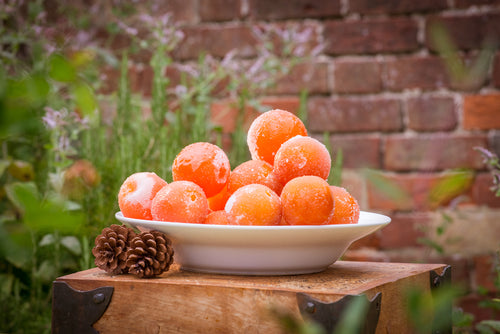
{"x": 43, "y": 216}
{"x": 22, "y": 195}
{"x": 16, "y": 245}
{"x": 349, "y": 322}
{"x": 462, "y": 319}
{"x": 84, "y": 98}
{"x": 46, "y": 272}
{"x": 4, "y": 163}
{"x": 60, "y": 69}
{"x": 489, "y": 326}
{"x": 6, "y": 284}
{"x": 47, "y": 240}
{"x": 387, "y": 187}
{"x": 72, "y": 244}
{"x": 450, "y": 186}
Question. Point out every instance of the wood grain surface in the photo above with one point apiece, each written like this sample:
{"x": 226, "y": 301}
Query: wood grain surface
{"x": 187, "y": 302}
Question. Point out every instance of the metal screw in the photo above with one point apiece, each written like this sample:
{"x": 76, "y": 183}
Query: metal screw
{"x": 437, "y": 281}
{"x": 310, "y": 307}
{"x": 98, "y": 298}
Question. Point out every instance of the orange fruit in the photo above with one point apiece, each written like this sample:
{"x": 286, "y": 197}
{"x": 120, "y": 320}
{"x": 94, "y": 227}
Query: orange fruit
{"x": 218, "y": 201}
{"x": 254, "y": 204}
{"x": 346, "y": 207}
{"x": 218, "y": 217}
{"x": 271, "y": 129}
{"x": 300, "y": 156}
{"x": 204, "y": 164}
{"x": 136, "y": 194}
{"x": 180, "y": 201}
{"x": 253, "y": 172}
{"x": 307, "y": 200}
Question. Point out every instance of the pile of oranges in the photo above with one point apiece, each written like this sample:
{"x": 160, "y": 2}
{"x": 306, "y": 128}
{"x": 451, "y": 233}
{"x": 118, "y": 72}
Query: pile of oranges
{"x": 284, "y": 183}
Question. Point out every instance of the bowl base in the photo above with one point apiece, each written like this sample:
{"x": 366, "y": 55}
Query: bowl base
{"x": 253, "y": 272}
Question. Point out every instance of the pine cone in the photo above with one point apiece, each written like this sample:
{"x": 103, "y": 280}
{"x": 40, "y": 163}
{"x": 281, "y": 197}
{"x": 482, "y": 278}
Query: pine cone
{"x": 110, "y": 249}
{"x": 150, "y": 254}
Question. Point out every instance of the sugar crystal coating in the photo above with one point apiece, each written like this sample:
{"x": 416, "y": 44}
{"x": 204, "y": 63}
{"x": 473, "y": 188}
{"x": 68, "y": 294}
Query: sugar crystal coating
{"x": 346, "y": 207}
{"x": 204, "y": 164}
{"x": 136, "y": 194}
{"x": 254, "y": 204}
{"x": 307, "y": 200}
{"x": 180, "y": 201}
{"x": 253, "y": 172}
{"x": 270, "y": 130}
{"x": 218, "y": 217}
{"x": 300, "y": 156}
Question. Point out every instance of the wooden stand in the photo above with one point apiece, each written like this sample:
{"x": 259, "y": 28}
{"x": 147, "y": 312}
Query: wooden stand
{"x": 188, "y": 302}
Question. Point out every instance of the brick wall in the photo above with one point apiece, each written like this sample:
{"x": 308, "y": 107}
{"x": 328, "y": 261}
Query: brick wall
{"x": 388, "y": 100}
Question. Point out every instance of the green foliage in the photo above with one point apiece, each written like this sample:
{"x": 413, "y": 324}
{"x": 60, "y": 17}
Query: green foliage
{"x": 431, "y": 311}
{"x": 462, "y": 75}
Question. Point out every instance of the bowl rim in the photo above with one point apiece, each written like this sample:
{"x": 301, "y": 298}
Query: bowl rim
{"x": 380, "y": 221}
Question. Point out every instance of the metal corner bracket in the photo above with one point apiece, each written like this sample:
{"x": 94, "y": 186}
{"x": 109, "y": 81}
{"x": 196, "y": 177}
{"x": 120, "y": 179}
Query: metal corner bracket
{"x": 329, "y": 315}
{"x": 75, "y": 311}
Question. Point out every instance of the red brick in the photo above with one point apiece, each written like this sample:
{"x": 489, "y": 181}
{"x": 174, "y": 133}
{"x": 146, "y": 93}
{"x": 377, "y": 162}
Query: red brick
{"x": 431, "y": 113}
{"x": 370, "y": 241}
{"x": 312, "y": 77}
{"x": 217, "y": 41}
{"x": 410, "y": 72}
{"x": 371, "y": 36}
{"x": 482, "y": 193}
{"x": 353, "y": 181}
{"x": 219, "y": 10}
{"x": 291, "y": 9}
{"x": 495, "y": 143}
{"x": 432, "y": 152}
{"x": 223, "y": 112}
{"x": 181, "y": 10}
{"x": 288, "y": 103}
{"x": 109, "y": 79}
{"x": 174, "y": 75}
{"x": 481, "y": 112}
{"x": 365, "y": 255}
{"x": 484, "y": 271}
{"x": 472, "y": 303}
{"x": 354, "y": 114}
{"x": 466, "y": 31}
{"x": 404, "y": 230}
{"x": 357, "y": 150}
{"x": 361, "y": 76}
{"x": 141, "y": 79}
{"x": 495, "y": 77}
{"x": 394, "y": 6}
{"x": 407, "y": 192}
{"x": 470, "y": 3}
{"x": 291, "y": 38}
{"x": 117, "y": 42}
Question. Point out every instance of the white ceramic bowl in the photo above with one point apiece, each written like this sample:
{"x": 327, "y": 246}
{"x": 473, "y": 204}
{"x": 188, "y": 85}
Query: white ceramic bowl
{"x": 260, "y": 250}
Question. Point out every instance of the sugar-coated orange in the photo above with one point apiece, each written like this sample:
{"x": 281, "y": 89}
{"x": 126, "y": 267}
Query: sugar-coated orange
{"x": 204, "y": 164}
{"x": 136, "y": 194}
{"x": 307, "y": 200}
{"x": 218, "y": 217}
{"x": 180, "y": 201}
{"x": 253, "y": 172}
{"x": 300, "y": 156}
{"x": 346, "y": 207}
{"x": 254, "y": 204}
{"x": 218, "y": 201}
{"x": 270, "y": 130}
